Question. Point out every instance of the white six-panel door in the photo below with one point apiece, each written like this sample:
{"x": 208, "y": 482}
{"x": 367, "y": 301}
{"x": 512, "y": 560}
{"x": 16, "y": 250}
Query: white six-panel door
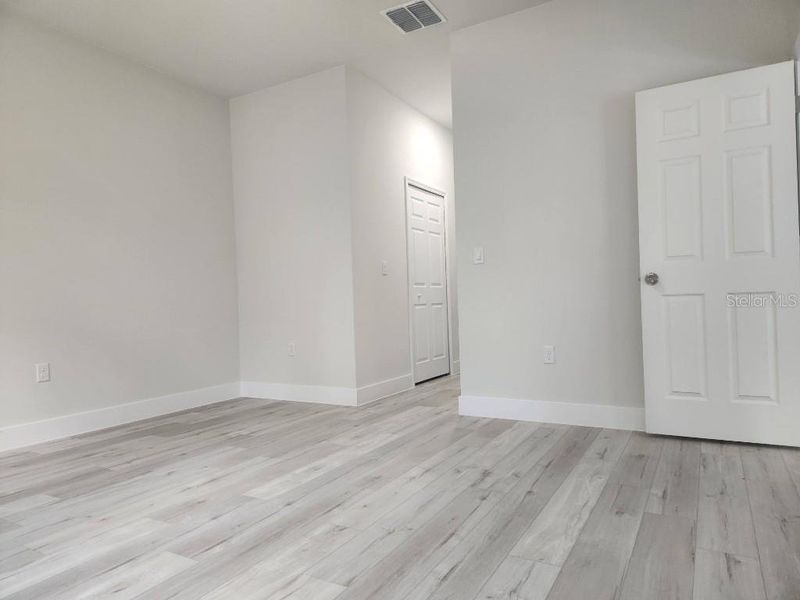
{"x": 718, "y": 225}
{"x": 427, "y": 283}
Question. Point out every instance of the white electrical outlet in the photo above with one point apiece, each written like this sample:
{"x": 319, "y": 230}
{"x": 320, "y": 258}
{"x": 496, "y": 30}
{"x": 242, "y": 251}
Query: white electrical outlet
{"x": 42, "y": 372}
{"x": 549, "y": 355}
{"x": 292, "y": 349}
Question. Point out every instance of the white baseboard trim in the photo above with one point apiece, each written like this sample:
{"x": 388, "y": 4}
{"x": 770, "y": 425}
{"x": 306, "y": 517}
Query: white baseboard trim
{"x": 320, "y": 394}
{"x": 456, "y": 367}
{"x": 383, "y": 389}
{"x": 27, "y": 434}
{"x": 567, "y": 413}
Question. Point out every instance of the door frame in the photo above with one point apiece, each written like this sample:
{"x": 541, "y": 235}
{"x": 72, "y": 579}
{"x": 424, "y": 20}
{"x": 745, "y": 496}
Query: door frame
{"x": 407, "y": 182}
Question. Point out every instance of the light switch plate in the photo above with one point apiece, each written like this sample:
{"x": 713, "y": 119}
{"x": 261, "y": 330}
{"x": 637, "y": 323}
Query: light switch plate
{"x": 384, "y": 267}
{"x": 42, "y": 372}
{"x": 549, "y": 355}
{"x": 477, "y": 255}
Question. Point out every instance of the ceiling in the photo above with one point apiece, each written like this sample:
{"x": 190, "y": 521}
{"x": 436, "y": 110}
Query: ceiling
{"x": 232, "y": 47}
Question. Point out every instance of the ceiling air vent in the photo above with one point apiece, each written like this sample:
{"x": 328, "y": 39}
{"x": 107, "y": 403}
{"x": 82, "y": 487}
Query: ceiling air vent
{"x": 414, "y": 15}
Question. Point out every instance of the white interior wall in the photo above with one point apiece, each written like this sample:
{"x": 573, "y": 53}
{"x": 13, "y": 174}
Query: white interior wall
{"x": 118, "y": 236}
{"x": 117, "y": 258}
{"x": 388, "y": 140}
{"x": 293, "y": 237}
{"x": 319, "y": 166}
{"x": 546, "y": 178}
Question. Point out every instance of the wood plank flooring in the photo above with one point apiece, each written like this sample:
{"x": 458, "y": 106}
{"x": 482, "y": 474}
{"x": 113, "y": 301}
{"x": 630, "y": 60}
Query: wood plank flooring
{"x": 402, "y": 499}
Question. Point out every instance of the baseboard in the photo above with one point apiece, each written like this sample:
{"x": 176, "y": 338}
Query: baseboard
{"x": 456, "y": 367}
{"x": 383, "y": 389}
{"x": 591, "y": 415}
{"x": 27, "y": 434}
{"x": 320, "y": 394}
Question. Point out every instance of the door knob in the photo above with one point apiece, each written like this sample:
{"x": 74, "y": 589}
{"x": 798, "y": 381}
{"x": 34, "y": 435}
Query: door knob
{"x": 651, "y": 278}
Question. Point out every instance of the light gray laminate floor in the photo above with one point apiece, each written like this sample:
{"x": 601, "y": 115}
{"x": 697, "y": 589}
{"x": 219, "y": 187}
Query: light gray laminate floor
{"x": 400, "y": 499}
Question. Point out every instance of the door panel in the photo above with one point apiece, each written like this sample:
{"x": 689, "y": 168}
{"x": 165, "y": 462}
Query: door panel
{"x": 680, "y": 197}
{"x": 686, "y": 345}
{"x": 749, "y": 201}
{"x": 427, "y": 283}
{"x": 718, "y": 223}
{"x": 419, "y": 243}
{"x": 421, "y": 328}
{"x": 435, "y": 259}
{"x": 753, "y": 344}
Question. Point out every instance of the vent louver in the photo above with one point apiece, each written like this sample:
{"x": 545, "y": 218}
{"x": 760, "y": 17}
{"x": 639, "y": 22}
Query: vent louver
{"x": 424, "y": 13}
{"x": 403, "y": 19}
{"x": 414, "y": 15}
